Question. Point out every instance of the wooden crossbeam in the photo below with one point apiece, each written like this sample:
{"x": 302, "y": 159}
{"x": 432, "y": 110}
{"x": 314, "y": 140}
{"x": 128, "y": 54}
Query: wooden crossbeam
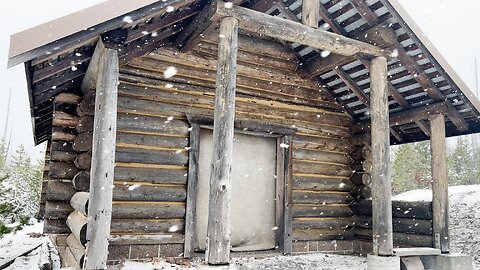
{"x": 353, "y": 86}
{"x": 409, "y": 116}
{"x": 423, "y": 126}
{"x": 291, "y": 31}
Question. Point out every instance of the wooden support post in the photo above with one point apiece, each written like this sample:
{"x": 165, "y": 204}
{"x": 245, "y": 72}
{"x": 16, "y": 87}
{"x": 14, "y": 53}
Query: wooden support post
{"x": 381, "y": 186}
{"x": 310, "y": 12}
{"x": 218, "y": 232}
{"x": 441, "y": 238}
{"x": 103, "y": 154}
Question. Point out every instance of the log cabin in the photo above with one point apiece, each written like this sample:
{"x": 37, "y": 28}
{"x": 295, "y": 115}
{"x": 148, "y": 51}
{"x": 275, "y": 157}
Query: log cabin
{"x": 209, "y": 129}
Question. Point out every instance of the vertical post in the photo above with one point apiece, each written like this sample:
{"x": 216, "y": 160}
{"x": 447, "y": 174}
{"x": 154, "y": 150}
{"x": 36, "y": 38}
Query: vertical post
{"x": 441, "y": 238}
{"x": 311, "y": 12}
{"x": 218, "y": 232}
{"x": 103, "y": 156}
{"x": 381, "y": 186}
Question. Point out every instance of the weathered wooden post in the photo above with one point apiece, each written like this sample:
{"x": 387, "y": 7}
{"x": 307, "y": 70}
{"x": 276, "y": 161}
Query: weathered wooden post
{"x": 103, "y": 156}
{"x": 441, "y": 237}
{"x": 381, "y": 186}
{"x": 310, "y": 12}
{"x": 218, "y": 232}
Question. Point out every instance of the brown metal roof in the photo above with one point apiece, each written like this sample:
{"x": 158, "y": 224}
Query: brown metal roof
{"x": 419, "y": 67}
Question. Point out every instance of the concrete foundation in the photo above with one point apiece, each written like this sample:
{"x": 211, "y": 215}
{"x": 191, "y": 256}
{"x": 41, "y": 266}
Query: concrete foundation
{"x": 382, "y": 263}
{"x": 449, "y": 261}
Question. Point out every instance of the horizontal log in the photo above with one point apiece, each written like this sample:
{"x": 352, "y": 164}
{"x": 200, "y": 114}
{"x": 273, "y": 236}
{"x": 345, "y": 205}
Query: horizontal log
{"x": 321, "y": 197}
{"x": 151, "y": 124}
{"x": 61, "y": 146}
{"x": 284, "y": 29}
{"x": 83, "y": 161}
{"x": 147, "y": 226}
{"x": 145, "y": 239}
{"x": 147, "y": 210}
{"x": 151, "y": 175}
{"x": 59, "y": 191}
{"x": 361, "y": 193}
{"x": 79, "y": 202}
{"x": 360, "y": 139}
{"x": 190, "y": 79}
{"x": 400, "y": 209}
{"x": 67, "y": 98}
{"x": 322, "y": 223}
{"x": 399, "y": 239}
{"x": 76, "y": 248}
{"x": 77, "y": 223}
{"x": 145, "y": 97}
{"x": 165, "y": 157}
{"x": 402, "y": 225}
{"x": 62, "y": 156}
{"x": 85, "y": 124}
{"x": 62, "y": 119}
{"x": 256, "y": 45}
{"x": 314, "y": 155}
{"x": 315, "y": 183}
{"x": 57, "y": 210}
{"x": 149, "y": 192}
{"x": 319, "y": 143}
{"x": 321, "y": 168}
{"x": 321, "y": 210}
{"x": 356, "y": 178}
{"x": 55, "y": 226}
{"x": 81, "y": 181}
{"x": 83, "y": 142}
{"x": 321, "y": 234}
{"x": 62, "y": 170}
{"x": 152, "y": 140}
{"x": 59, "y": 134}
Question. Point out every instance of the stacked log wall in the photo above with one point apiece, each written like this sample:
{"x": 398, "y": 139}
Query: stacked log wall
{"x": 153, "y": 131}
{"x": 412, "y": 221}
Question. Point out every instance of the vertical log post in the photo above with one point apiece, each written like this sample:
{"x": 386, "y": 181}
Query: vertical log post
{"x": 381, "y": 186}
{"x": 103, "y": 156}
{"x": 311, "y": 12}
{"x": 218, "y": 232}
{"x": 441, "y": 238}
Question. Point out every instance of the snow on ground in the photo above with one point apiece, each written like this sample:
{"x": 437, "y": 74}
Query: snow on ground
{"x": 300, "y": 262}
{"x": 26, "y": 246}
{"x": 464, "y": 204}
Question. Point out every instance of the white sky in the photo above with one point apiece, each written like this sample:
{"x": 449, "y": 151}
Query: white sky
{"x": 452, "y": 25}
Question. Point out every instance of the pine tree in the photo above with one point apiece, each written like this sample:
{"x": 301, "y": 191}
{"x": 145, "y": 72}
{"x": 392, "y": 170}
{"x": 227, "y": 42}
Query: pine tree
{"x": 411, "y": 167}
{"x": 461, "y": 164}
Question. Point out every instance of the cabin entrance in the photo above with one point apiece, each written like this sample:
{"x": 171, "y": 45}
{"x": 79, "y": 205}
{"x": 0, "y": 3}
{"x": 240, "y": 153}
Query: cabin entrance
{"x": 253, "y": 195}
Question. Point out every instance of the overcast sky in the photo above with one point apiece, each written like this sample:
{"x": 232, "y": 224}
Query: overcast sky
{"x": 450, "y": 24}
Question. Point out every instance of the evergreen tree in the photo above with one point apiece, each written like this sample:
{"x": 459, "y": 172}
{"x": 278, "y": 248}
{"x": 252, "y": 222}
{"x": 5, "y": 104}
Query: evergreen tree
{"x": 411, "y": 167}
{"x": 462, "y": 168}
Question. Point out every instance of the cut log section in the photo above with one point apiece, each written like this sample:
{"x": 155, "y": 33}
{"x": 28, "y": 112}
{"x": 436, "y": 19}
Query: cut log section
{"x": 79, "y": 202}
{"x": 77, "y": 223}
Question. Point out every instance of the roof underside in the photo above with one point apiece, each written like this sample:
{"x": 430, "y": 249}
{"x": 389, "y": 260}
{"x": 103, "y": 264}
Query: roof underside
{"x": 416, "y": 78}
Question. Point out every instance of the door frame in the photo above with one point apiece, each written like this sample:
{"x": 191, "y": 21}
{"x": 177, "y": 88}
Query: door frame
{"x": 284, "y": 181}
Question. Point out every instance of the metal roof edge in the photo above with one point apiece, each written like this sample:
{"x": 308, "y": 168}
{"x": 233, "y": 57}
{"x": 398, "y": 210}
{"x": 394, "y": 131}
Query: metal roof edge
{"x": 410, "y": 22}
{"x": 23, "y": 43}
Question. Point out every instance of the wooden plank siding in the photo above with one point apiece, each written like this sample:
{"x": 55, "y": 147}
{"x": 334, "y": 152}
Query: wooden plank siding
{"x": 153, "y": 132}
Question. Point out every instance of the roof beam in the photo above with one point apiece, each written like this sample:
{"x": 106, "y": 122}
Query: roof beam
{"x": 310, "y": 12}
{"x": 291, "y": 31}
{"x": 89, "y": 81}
{"x": 419, "y": 113}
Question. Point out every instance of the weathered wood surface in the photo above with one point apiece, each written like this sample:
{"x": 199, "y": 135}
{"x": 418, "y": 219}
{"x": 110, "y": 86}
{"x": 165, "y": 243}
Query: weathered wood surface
{"x": 103, "y": 152}
{"x": 321, "y": 235}
{"x": 191, "y": 207}
{"x": 83, "y": 161}
{"x": 62, "y": 170}
{"x": 76, "y": 248}
{"x": 218, "y": 231}
{"x": 310, "y": 13}
{"x": 63, "y": 134}
{"x": 288, "y": 30}
{"x": 85, "y": 124}
{"x": 157, "y": 225}
{"x": 147, "y": 210}
{"x": 402, "y": 225}
{"x": 77, "y": 223}
{"x": 381, "y": 185}
{"x": 79, "y": 202}
{"x": 399, "y": 239}
{"x": 81, "y": 181}
{"x": 159, "y": 174}
{"x": 323, "y": 210}
{"x": 321, "y": 197}
{"x": 58, "y": 190}
{"x": 323, "y": 223}
{"x": 439, "y": 183}
{"x": 83, "y": 142}
{"x": 400, "y": 209}
{"x": 67, "y": 98}
{"x": 87, "y": 106}
{"x": 57, "y": 210}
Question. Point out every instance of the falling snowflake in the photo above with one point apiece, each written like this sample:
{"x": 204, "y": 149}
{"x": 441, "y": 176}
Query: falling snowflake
{"x": 128, "y": 19}
{"x": 228, "y": 4}
{"x": 325, "y": 53}
{"x": 170, "y": 9}
{"x": 169, "y": 72}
